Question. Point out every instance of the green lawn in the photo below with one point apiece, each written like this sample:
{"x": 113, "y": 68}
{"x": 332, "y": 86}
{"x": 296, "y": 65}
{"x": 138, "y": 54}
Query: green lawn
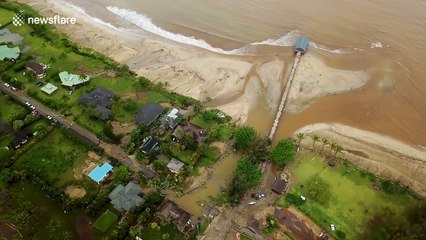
{"x": 183, "y": 155}
{"x": 123, "y": 114}
{"x": 105, "y": 221}
{"x": 353, "y": 200}
{"x": 10, "y": 110}
{"x": 226, "y": 131}
{"x": 5, "y": 16}
{"x": 199, "y": 121}
{"x": 209, "y": 159}
{"x": 54, "y": 157}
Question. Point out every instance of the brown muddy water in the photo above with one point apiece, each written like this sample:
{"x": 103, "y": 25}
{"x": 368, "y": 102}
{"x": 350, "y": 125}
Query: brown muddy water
{"x": 202, "y": 196}
{"x": 385, "y": 38}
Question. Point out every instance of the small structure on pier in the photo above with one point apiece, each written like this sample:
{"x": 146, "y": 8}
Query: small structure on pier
{"x": 301, "y": 45}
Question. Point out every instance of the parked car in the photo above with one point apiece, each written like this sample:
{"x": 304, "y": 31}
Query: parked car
{"x": 32, "y": 107}
{"x": 39, "y": 84}
{"x": 252, "y": 203}
{"x": 13, "y": 88}
{"x": 49, "y": 117}
{"x": 27, "y": 103}
{"x": 6, "y": 85}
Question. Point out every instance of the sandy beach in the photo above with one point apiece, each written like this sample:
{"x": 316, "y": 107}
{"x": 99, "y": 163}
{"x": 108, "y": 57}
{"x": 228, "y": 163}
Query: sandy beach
{"x": 375, "y": 153}
{"x": 234, "y": 83}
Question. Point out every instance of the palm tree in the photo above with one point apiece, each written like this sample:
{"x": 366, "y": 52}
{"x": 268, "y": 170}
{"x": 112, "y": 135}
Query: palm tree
{"x": 324, "y": 142}
{"x": 337, "y": 149}
{"x": 300, "y": 137}
{"x": 137, "y": 87}
{"x": 315, "y": 139}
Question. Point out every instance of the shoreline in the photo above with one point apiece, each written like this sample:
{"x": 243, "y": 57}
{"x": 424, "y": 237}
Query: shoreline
{"x": 235, "y": 83}
{"x": 378, "y": 154}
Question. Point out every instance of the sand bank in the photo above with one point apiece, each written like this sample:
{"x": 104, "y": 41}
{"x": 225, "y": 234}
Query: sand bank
{"x": 378, "y": 154}
{"x": 198, "y": 73}
{"x": 314, "y": 79}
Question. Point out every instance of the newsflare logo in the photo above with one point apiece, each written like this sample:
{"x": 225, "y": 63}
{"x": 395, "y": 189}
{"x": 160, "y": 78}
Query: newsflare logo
{"x": 20, "y": 19}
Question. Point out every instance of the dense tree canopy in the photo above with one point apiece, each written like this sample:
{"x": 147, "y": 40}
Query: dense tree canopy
{"x": 247, "y": 175}
{"x": 121, "y": 174}
{"x": 319, "y": 190}
{"x": 244, "y": 137}
{"x": 389, "y": 226}
{"x": 283, "y": 152}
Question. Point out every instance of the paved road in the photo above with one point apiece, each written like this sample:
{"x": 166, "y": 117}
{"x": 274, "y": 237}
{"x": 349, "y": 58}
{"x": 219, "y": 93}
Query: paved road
{"x": 110, "y": 149}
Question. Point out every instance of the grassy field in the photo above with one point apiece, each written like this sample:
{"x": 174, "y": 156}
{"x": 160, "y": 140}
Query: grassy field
{"x": 42, "y": 211}
{"x": 209, "y": 159}
{"x": 199, "y": 121}
{"x": 352, "y": 202}
{"x": 10, "y": 110}
{"x": 149, "y": 233}
{"x": 105, "y": 221}
{"x": 54, "y": 157}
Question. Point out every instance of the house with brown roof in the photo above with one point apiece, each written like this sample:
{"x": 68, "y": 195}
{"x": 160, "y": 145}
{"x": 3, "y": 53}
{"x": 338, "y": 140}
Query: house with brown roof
{"x": 280, "y": 186}
{"x": 37, "y": 68}
{"x": 197, "y": 132}
{"x": 180, "y": 218}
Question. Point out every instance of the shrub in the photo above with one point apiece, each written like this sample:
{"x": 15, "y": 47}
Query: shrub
{"x": 283, "y": 152}
{"x": 319, "y": 190}
{"x": 244, "y": 137}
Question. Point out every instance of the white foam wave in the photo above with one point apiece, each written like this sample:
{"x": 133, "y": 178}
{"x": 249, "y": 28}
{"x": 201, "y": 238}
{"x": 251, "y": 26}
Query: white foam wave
{"x": 145, "y": 23}
{"x": 324, "y": 48}
{"x": 376, "y": 44}
{"x": 94, "y": 19}
{"x": 287, "y": 40}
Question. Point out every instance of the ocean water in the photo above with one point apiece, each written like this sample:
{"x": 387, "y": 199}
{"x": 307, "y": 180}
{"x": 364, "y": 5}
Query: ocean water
{"x": 387, "y": 38}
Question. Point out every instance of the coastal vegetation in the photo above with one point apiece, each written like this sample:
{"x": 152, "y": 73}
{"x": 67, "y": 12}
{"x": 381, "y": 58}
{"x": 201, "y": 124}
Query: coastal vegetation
{"x": 347, "y": 197}
{"x": 50, "y": 159}
{"x": 246, "y": 176}
{"x": 283, "y": 152}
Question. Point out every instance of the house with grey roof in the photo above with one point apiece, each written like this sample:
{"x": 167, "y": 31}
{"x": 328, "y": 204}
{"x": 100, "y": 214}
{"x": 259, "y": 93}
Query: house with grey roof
{"x": 149, "y": 113}
{"x": 175, "y": 166}
{"x": 126, "y": 197}
{"x": 149, "y": 144}
{"x": 171, "y": 119}
{"x": 100, "y": 99}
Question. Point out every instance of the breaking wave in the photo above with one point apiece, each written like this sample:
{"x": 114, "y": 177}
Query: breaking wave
{"x": 324, "y": 48}
{"x": 146, "y": 24}
{"x": 287, "y": 40}
{"x": 376, "y": 44}
{"x": 94, "y": 19}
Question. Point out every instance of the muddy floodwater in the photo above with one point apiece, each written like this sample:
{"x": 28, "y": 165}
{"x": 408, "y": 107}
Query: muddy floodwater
{"x": 220, "y": 177}
{"x": 385, "y": 39}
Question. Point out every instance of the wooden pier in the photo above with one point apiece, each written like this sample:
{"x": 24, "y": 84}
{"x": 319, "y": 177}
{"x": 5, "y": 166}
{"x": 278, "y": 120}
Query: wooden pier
{"x": 300, "y": 49}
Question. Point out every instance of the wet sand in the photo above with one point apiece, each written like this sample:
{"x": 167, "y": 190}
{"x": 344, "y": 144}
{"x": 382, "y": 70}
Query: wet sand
{"x": 248, "y": 87}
